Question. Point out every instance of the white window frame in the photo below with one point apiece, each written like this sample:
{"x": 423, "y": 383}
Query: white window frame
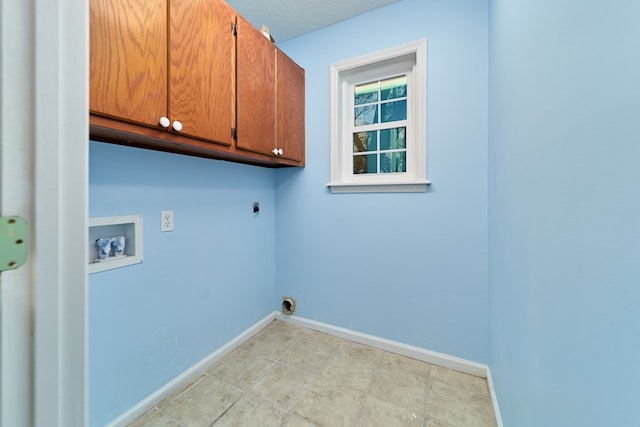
{"x": 409, "y": 59}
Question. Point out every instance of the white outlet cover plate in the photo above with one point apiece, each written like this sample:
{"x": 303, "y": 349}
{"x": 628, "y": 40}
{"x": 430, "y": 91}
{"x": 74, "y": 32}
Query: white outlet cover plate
{"x": 166, "y": 221}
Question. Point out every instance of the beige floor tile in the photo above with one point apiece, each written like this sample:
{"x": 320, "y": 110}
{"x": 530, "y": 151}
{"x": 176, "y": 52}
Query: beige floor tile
{"x": 296, "y": 421}
{"x": 460, "y": 379}
{"x": 435, "y": 423}
{"x": 396, "y": 362}
{"x": 282, "y": 385}
{"x": 270, "y": 343}
{"x": 401, "y": 381}
{"x": 295, "y": 377}
{"x": 173, "y": 396}
{"x": 401, "y": 388}
{"x": 457, "y": 406}
{"x": 241, "y": 368}
{"x": 247, "y": 412}
{"x": 326, "y": 404}
{"x": 203, "y": 403}
{"x": 303, "y": 358}
{"x": 350, "y": 353}
{"x": 144, "y": 418}
{"x": 380, "y": 413}
{"x": 319, "y": 342}
{"x": 352, "y": 365}
{"x": 287, "y": 329}
{"x": 358, "y": 377}
{"x": 154, "y": 418}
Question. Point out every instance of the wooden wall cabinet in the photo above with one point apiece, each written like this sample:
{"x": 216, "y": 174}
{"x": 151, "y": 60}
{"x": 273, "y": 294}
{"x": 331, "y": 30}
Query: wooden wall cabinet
{"x": 177, "y": 74}
{"x": 128, "y": 60}
{"x": 290, "y": 119}
{"x": 270, "y": 98}
{"x": 164, "y": 75}
{"x": 256, "y": 90}
{"x": 201, "y": 69}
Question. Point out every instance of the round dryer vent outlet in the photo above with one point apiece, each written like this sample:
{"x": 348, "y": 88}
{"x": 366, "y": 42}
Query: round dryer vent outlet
{"x": 288, "y": 305}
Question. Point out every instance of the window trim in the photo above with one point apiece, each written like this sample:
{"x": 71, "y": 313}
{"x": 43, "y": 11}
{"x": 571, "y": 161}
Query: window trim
{"x": 409, "y": 57}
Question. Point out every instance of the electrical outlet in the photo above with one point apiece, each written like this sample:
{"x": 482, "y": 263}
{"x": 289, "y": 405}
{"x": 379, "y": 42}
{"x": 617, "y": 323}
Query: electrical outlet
{"x": 256, "y": 208}
{"x": 166, "y": 221}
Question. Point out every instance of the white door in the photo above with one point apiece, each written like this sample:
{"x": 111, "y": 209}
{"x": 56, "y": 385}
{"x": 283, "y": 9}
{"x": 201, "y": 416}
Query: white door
{"x": 16, "y": 198}
{"x": 43, "y": 178}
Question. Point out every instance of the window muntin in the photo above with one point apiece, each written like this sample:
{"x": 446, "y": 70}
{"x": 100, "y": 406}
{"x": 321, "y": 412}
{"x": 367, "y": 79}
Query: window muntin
{"x": 387, "y": 96}
{"x": 379, "y": 126}
{"x": 380, "y": 151}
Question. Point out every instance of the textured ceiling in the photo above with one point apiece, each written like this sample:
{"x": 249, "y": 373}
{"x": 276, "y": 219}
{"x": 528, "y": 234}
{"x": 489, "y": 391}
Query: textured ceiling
{"x": 287, "y": 19}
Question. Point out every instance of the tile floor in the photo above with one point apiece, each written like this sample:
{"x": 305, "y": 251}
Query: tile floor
{"x": 291, "y": 376}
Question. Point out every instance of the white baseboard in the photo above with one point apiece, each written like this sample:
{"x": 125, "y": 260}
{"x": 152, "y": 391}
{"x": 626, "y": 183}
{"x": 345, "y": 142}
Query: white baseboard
{"x": 494, "y": 399}
{"x": 440, "y": 359}
{"x": 191, "y": 373}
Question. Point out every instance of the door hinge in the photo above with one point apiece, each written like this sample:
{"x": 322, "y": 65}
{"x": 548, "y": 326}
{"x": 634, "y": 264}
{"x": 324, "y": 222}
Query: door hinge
{"x": 234, "y": 133}
{"x": 234, "y": 29}
{"x": 13, "y": 242}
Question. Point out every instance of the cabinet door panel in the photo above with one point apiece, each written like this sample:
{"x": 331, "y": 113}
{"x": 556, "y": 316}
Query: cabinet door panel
{"x": 128, "y": 60}
{"x": 256, "y": 90}
{"x": 290, "y": 108}
{"x": 201, "y": 71}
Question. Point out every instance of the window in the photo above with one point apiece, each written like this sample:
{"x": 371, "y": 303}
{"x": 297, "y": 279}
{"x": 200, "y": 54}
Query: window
{"x": 378, "y": 115}
{"x": 379, "y": 126}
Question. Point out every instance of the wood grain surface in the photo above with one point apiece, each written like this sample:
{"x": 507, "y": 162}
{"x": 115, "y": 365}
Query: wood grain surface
{"x": 202, "y": 68}
{"x": 290, "y": 130}
{"x": 128, "y": 59}
{"x": 256, "y": 90}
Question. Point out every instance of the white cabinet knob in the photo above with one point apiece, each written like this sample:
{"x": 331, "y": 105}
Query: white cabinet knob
{"x": 177, "y": 126}
{"x": 277, "y": 151}
{"x": 164, "y": 122}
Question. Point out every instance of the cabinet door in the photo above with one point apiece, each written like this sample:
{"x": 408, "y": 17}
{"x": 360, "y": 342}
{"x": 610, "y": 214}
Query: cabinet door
{"x": 201, "y": 70}
{"x": 128, "y": 60}
{"x": 289, "y": 108}
{"x": 256, "y": 90}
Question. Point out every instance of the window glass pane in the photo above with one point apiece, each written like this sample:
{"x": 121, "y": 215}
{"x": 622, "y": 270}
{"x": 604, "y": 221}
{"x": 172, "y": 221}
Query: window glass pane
{"x": 366, "y": 115}
{"x": 366, "y": 93}
{"x": 391, "y": 139}
{"x": 365, "y": 163}
{"x": 365, "y": 141}
{"x": 393, "y": 162}
{"x": 393, "y": 88}
{"x": 394, "y": 111}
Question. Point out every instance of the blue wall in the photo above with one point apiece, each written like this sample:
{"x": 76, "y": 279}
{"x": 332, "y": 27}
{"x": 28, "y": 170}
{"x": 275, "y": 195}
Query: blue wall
{"x": 199, "y": 286}
{"x": 523, "y": 253}
{"x": 407, "y": 267}
{"x": 565, "y": 211}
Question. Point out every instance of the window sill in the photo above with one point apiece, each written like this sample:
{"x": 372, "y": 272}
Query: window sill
{"x": 403, "y": 187}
